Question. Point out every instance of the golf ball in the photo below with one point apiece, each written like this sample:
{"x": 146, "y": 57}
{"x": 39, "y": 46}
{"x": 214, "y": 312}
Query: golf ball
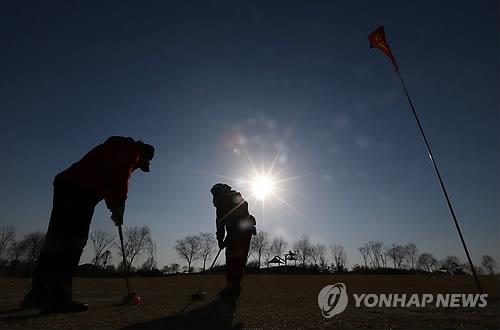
{"x": 136, "y": 300}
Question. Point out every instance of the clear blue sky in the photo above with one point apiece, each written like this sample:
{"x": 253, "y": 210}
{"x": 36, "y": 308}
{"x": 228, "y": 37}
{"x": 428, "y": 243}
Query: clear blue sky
{"x": 198, "y": 78}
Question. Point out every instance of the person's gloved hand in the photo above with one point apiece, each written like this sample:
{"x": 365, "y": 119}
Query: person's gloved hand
{"x": 117, "y": 215}
{"x": 221, "y": 243}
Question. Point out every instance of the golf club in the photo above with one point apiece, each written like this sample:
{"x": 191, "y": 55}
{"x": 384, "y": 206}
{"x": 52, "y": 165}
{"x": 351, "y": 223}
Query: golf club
{"x": 130, "y": 295}
{"x": 200, "y": 295}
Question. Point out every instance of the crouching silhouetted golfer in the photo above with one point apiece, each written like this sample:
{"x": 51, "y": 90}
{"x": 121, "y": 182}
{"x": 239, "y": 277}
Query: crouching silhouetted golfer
{"x": 103, "y": 173}
{"x": 233, "y": 217}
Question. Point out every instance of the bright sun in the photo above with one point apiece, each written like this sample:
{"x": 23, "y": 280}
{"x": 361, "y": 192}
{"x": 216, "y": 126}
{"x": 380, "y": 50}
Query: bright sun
{"x": 262, "y": 186}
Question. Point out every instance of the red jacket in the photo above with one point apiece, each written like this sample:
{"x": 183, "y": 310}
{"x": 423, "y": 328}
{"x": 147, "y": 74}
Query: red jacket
{"x": 105, "y": 170}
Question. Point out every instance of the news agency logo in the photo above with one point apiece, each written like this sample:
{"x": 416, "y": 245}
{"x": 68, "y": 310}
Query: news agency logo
{"x": 333, "y": 299}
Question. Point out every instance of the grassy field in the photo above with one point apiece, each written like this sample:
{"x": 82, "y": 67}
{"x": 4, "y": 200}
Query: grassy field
{"x": 267, "y": 301}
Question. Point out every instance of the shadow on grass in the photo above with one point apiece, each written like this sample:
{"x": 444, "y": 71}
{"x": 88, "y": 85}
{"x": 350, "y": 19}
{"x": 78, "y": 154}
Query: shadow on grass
{"x": 218, "y": 314}
{"x": 19, "y": 314}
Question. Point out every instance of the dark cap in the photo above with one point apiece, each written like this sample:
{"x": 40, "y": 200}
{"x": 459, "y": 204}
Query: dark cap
{"x": 220, "y": 188}
{"x": 147, "y": 150}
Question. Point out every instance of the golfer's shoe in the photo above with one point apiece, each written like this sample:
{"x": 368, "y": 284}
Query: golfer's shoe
{"x": 50, "y": 303}
{"x": 199, "y": 295}
{"x": 230, "y": 292}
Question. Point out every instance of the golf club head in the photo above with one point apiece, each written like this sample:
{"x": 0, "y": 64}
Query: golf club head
{"x": 199, "y": 295}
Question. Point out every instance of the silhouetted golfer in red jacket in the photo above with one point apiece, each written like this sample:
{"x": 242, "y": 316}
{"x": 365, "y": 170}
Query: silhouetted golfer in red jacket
{"x": 233, "y": 217}
{"x": 103, "y": 173}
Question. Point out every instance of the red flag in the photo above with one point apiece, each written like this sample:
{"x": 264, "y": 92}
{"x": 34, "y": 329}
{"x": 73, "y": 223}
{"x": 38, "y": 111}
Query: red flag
{"x": 377, "y": 39}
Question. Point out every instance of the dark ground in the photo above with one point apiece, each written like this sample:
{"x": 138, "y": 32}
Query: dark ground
{"x": 267, "y": 301}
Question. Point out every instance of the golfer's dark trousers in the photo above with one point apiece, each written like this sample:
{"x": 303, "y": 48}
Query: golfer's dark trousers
{"x": 66, "y": 237}
{"x": 236, "y": 257}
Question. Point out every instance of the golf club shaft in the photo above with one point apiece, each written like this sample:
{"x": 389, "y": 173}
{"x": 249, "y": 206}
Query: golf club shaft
{"x": 125, "y": 268}
{"x": 213, "y": 262}
{"x": 206, "y": 275}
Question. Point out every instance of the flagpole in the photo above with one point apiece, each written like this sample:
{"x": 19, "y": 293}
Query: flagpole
{"x": 440, "y": 181}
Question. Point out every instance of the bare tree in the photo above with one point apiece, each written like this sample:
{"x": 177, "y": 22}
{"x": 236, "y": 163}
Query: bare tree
{"x": 374, "y": 249}
{"x": 189, "y": 249}
{"x": 411, "y": 252}
{"x": 174, "y": 268}
{"x": 100, "y": 241}
{"x": 401, "y": 253}
{"x": 33, "y": 243}
{"x": 105, "y": 258}
{"x": 166, "y": 269}
{"x": 16, "y": 250}
{"x": 318, "y": 254}
{"x": 314, "y": 255}
{"x": 398, "y": 254}
{"x": 171, "y": 269}
{"x": 427, "y": 262}
{"x": 268, "y": 254}
{"x": 434, "y": 264}
{"x": 478, "y": 269}
{"x": 258, "y": 245}
{"x": 391, "y": 254}
{"x": 278, "y": 246}
{"x": 339, "y": 257}
{"x": 150, "y": 262}
{"x": 137, "y": 241}
{"x": 323, "y": 260}
{"x": 364, "y": 253}
{"x": 207, "y": 247}
{"x": 7, "y": 235}
{"x": 383, "y": 256}
{"x": 303, "y": 248}
{"x": 451, "y": 263}
{"x": 489, "y": 264}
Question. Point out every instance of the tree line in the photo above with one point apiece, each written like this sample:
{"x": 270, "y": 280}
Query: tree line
{"x": 378, "y": 255}
{"x": 18, "y": 256}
